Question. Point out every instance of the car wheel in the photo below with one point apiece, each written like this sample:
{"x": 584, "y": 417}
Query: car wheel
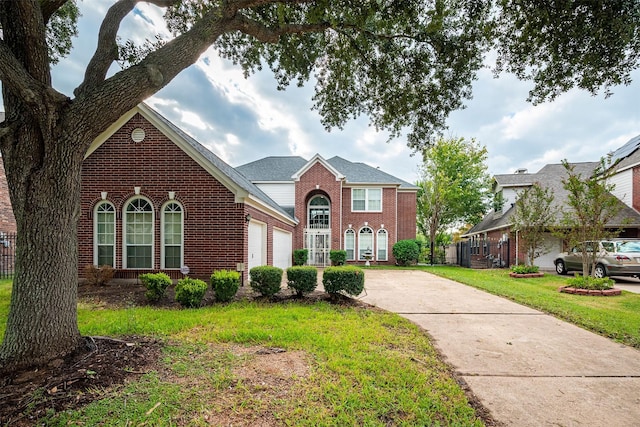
{"x": 560, "y": 267}
{"x": 600, "y": 271}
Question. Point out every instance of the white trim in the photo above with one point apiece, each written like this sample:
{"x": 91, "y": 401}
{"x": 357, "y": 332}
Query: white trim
{"x": 386, "y": 246}
{"x": 162, "y": 244}
{"x": 373, "y": 243}
{"x": 241, "y": 195}
{"x": 124, "y": 233}
{"x": 353, "y": 232}
{"x": 317, "y": 159}
{"x": 95, "y": 231}
{"x": 366, "y": 199}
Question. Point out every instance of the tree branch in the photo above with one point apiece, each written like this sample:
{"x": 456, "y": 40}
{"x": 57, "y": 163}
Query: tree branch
{"x": 107, "y": 50}
{"x": 49, "y": 7}
{"x": 16, "y": 78}
{"x": 272, "y": 35}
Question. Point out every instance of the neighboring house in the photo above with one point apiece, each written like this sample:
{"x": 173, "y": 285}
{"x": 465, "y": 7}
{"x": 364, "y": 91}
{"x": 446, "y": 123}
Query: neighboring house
{"x": 492, "y": 242}
{"x": 154, "y": 199}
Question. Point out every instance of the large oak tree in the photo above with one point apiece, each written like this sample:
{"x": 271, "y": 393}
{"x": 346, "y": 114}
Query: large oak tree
{"x": 405, "y": 64}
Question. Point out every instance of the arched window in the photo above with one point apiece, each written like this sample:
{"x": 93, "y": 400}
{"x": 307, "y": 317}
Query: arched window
{"x": 350, "y": 244}
{"x": 172, "y": 235}
{"x": 381, "y": 244}
{"x": 104, "y": 230}
{"x": 318, "y": 213}
{"x": 138, "y": 234}
{"x": 365, "y": 243}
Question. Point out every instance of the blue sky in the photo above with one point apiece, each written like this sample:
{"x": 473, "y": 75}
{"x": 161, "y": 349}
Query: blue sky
{"x": 242, "y": 120}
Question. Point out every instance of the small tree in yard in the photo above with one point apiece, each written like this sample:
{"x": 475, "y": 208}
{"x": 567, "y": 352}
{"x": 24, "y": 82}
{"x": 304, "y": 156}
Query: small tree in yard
{"x": 532, "y": 218}
{"x": 453, "y": 186}
{"x": 591, "y": 206}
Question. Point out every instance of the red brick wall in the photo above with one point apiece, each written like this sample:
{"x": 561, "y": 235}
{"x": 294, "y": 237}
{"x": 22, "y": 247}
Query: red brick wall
{"x": 407, "y": 215}
{"x": 398, "y": 211}
{"x": 215, "y": 229}
{"x": 7, "y": 220}
{"x": 305, "y": 188}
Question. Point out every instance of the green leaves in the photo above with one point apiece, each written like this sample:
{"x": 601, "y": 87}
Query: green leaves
{"x": 406, "y": 64}
{"x": 560, "y": 44}
{"x": 453, "y": 184}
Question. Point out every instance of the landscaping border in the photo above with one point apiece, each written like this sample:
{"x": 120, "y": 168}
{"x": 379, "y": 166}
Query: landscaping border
{"x": 595, "y": 292}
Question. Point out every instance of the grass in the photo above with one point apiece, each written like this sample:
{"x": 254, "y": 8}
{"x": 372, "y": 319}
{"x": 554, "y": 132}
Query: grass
{"x": 614, "y": 317}
{"x": 364, "y": 367}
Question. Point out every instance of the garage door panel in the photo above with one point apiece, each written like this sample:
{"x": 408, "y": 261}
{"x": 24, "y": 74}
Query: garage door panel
{"x": 282, "y": 248}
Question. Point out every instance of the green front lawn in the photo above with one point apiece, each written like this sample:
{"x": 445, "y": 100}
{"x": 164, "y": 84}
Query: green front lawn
{"x": 616, "y": 317}
{"x": 343, "y": 366}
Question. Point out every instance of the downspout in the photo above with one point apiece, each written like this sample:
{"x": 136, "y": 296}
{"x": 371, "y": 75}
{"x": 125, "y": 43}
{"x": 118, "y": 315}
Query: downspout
{"x": 517, "y": 246}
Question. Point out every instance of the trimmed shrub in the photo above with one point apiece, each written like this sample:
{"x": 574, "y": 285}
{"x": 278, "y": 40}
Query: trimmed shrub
{"x": 98, "y": 275}
{"x": 300, "y": 256}
{"x": 156, "y": 284}
{"x": 266, "y": 280}
{"x": 190, "y": 292}
{"x": 348, "y": 279}
{"x": 303, "y": 279}
{"x": 225, "y": 284}
{"x": 524, "y": 269}
{"x": 590, "y": 282}
{"x": 337, "y": 257}
{"x": 406, "y": 252}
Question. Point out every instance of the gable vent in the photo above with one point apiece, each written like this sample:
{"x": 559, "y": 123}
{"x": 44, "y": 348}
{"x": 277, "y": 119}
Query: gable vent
{"x": 137, "y": 135}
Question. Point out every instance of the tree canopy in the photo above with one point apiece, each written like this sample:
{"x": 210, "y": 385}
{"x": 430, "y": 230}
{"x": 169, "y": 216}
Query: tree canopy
{"x": 453, "y": 186}
{"x": 405, "y": 64}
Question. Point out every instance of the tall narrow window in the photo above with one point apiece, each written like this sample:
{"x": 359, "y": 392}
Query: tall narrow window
{"x": 350, "y": 244}
{"x": 172, "y": 235}
{"x": 318, "y": 213}
{"x": 105, "y": 234}
{"x": 139, "y": 234}
{"x": 381, "y": 244}
{"x": 365, "y": 243}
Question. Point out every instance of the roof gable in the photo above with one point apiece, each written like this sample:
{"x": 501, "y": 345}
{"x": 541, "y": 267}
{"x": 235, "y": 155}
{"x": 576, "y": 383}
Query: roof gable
{"x": 318, "y": 159}
{"x": 243, "y": 189}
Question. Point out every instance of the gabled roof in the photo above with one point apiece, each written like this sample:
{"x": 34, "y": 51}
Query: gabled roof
{"x": 318, "y": 159}
{"x": 279, "y": 169}
{"x": 626, "y": 156}
{"x": 243, "y": 189}
{"x": 551, "y": 176}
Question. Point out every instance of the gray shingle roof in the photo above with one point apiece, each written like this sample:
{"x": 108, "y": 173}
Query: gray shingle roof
{"x": 272, "y": 169}
{"x": 238, "y": 178}
{"x": 551, "y": 176}
{"x": 282, "y": 168}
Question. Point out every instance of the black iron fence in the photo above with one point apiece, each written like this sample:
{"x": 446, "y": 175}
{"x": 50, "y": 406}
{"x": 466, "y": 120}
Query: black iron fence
{"x": 7, "y": 255}
{"x": 484, "y": 253}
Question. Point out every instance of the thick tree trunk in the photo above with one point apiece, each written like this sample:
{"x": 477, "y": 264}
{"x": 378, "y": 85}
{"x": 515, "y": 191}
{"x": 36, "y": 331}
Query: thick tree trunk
{"x": 45, "y": 193}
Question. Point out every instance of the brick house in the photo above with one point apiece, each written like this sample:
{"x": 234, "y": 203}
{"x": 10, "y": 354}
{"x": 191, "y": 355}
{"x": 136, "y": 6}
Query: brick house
{"x": 154, "y": 199}
{"x": 493, "y": 239}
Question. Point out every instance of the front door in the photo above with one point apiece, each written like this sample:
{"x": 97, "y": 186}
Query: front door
{"x": 318, "y": 243}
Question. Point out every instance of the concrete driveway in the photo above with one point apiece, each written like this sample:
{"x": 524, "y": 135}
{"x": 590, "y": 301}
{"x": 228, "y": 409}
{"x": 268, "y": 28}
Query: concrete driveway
{"x": 526, "y": 367}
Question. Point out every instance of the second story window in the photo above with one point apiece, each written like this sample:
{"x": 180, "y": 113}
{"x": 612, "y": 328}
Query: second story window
{"x": 318, "y": 213}
{"x": 366, "y": 200}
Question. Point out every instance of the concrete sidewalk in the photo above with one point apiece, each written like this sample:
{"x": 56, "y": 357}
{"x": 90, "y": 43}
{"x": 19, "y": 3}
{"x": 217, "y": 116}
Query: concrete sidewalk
{"x": 526, "y": 367}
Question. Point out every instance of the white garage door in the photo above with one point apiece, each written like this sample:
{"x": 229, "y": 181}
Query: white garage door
{"x": 554, "y": 244}
{"x": 282, "y": 248}
{"x": 257, "y": 244}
